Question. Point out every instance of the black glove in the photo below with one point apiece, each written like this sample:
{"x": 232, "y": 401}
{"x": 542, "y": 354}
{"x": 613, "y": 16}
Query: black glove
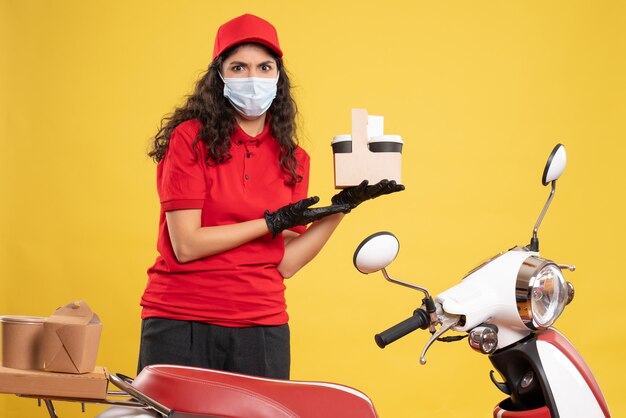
{"x": 299, "y": 213}
{"x": 354, "y": 196}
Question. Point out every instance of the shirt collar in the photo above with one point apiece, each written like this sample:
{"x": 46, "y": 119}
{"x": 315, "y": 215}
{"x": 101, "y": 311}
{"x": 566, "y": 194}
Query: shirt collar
{"x": 241, "y": 137}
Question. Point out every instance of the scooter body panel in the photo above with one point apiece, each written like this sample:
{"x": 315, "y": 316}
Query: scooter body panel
{"x": 546, "y": 376}
{"x": 487, "y": 295}
{"x": 575, "y": 389}
{"x": 542, "y": 412}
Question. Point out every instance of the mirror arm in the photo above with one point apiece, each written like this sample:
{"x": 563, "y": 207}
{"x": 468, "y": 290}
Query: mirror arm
{"x": 401, "y": 283}
{"x": 534, "y": 242}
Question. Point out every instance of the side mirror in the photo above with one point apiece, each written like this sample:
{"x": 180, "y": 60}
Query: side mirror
{"x": 555, "y": 165}
{"x": 376, "y": 252}
{"x": 552, "y": 171}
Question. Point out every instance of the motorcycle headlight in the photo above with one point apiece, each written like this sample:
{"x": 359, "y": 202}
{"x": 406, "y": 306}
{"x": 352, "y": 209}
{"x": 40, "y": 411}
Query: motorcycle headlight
{"x": 540, "y": 292}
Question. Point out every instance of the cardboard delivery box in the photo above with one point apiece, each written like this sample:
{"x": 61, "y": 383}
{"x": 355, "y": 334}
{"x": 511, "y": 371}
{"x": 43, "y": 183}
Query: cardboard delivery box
{"x": 70, "y": 339}
{"x": 367, "y": 154}
{"x": 49, "y": 384}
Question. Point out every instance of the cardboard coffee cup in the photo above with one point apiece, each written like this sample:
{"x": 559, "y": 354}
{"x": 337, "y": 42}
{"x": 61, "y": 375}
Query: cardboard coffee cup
{"x": 342, "y": 144}
{"x": 21, "y": 342}
{"x": 385, "y": 143}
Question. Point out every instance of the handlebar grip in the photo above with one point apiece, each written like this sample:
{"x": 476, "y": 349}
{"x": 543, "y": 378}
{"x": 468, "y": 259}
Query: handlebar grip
{"x": 420, "y": 319}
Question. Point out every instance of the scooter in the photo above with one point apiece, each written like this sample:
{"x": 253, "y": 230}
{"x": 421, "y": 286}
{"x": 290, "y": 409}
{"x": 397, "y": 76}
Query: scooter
{"x": 506, "y": 308}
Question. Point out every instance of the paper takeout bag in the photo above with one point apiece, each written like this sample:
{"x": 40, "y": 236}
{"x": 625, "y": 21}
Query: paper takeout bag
{"x": 70, "y": 339}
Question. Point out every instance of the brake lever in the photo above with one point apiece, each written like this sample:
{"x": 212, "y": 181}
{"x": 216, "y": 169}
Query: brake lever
{"x": 447, "y": 323}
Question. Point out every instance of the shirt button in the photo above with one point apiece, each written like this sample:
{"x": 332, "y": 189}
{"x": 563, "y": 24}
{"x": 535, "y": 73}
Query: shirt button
{"x": 248, "y": 155}
{"x": 239, "y": 142}
{"x": 247, "y": 178}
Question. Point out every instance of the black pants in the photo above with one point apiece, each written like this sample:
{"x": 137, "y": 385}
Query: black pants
{"x": 258, "y": 351}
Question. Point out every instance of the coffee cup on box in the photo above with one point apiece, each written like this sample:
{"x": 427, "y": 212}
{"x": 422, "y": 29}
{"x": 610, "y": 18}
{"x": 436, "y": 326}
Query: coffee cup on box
{"x": 342, "y": 144}
{"x": 385, "y": 143}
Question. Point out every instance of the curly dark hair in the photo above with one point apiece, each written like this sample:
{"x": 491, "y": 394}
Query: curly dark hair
{"x": 208, "y": 105}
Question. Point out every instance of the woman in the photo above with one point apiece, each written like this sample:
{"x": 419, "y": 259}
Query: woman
{"x": 233, "y": 183}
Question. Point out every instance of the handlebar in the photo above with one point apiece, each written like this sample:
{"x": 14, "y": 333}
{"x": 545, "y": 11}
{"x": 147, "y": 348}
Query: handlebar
{"x": 420, "y": 319}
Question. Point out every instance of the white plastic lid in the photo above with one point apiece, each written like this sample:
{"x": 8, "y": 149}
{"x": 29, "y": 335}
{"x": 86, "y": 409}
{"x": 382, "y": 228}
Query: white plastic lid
{"x": 14, "y": 319}
{"x": 342, "y": 138}
{"x": 387, "y": 138}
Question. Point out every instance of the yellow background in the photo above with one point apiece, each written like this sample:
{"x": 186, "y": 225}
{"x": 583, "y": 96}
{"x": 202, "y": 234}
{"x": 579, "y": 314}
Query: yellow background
{"x": 480, "y": 91}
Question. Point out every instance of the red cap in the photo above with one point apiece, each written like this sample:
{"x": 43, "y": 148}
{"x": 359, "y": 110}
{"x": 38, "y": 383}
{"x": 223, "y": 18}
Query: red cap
{"x": 246, "y": 28}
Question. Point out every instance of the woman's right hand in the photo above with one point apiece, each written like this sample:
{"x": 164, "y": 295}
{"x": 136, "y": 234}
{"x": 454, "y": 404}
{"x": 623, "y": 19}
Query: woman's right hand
{"x": 300, "y": 213}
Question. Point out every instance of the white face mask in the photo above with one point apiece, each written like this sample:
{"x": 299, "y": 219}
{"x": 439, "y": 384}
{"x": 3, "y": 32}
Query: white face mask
{"x": 251, "y": 96}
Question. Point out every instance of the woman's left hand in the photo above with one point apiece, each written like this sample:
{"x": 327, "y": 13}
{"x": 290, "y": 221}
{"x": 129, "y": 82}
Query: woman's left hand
{"x": 354, "y": 196}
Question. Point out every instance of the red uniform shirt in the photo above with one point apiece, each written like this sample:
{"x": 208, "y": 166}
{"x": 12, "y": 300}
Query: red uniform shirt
{"x": 242, "y": 286}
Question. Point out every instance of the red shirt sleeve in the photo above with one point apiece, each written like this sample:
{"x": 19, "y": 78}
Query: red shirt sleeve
{"x": 181, "y": 182}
